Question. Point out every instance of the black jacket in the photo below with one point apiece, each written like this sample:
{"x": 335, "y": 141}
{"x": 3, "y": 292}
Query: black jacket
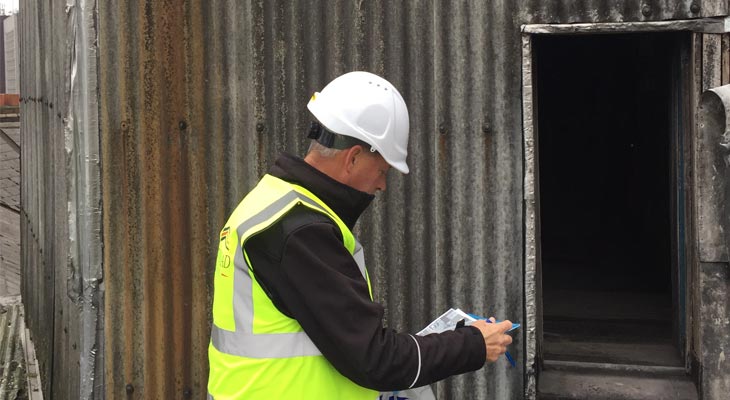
{"x": 311, "y": 277}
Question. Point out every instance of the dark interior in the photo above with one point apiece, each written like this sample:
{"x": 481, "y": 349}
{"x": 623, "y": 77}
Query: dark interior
{"x": 604, "y": 133}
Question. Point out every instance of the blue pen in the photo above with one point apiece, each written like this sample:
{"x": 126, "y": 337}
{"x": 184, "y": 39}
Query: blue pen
{"x": 510, "y": 359}
{"x": 514, "y": 326}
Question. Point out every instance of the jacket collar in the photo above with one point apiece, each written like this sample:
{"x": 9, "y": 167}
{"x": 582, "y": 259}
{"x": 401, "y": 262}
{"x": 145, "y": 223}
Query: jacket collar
{"x": 349, "y": 203}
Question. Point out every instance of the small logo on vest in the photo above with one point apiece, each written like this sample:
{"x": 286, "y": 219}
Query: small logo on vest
{"x": 225, "y": 261}
{"x": 225, "y": 232}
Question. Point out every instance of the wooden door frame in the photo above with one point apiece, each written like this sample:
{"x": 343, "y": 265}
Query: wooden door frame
{"x": 532, "y": 256}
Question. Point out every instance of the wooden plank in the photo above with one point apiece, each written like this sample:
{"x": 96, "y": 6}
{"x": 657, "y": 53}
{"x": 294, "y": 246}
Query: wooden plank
{"x": 711, "y": 61}
{"x": 725, "y": 75}
{"x": 705, "y": 25}
{"x": 707, "y": 165}
{"x": 532, "y": 297}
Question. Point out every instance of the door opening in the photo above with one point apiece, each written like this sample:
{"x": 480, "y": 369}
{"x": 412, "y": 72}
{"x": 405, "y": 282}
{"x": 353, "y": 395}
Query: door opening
{"x": 605, "y": 143}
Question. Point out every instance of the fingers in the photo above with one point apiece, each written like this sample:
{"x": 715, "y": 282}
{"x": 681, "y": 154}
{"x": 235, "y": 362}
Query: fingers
{"x": 496, "y": 338}
{"x": 503, "y": 340}
{"x": 505, "y": 325}
{"x": 496, "y": 351}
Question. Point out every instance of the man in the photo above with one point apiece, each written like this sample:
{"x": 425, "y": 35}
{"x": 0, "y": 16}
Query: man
{"x": 293, "y": 314}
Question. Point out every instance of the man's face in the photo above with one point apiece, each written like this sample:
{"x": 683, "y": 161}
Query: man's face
{"x": 369, "y": 172}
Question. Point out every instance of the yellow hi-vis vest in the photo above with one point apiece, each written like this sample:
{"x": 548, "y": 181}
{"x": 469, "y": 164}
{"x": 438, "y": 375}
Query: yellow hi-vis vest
{"x": 255, "y": 351}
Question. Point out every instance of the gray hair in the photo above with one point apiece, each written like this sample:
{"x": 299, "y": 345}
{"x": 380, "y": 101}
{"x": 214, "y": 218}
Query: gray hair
{"x": 323, "y": 151}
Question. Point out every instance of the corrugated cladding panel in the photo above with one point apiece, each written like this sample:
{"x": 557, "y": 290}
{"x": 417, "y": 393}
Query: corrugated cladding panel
{"x": 161, "y": 138}
{"x": 60, "y": 193}
{"x": 43, "y": 240}
{"x": 197, "y": 98}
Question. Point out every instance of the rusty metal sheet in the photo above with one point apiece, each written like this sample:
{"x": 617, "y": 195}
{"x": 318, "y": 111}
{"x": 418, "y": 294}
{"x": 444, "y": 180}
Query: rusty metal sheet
{"x": 196, "y": 99}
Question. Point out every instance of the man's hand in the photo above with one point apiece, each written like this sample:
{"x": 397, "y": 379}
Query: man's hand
{"x": 495, "y": 337}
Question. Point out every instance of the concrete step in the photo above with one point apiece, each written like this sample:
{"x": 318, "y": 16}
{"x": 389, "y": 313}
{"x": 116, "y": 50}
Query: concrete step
{"x": 652, "y": 354}
{"x": 579, "y": 380}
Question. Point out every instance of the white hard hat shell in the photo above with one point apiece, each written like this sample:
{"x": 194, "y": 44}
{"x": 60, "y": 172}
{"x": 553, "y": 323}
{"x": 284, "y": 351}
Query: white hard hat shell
{"x": 367, "y": 107}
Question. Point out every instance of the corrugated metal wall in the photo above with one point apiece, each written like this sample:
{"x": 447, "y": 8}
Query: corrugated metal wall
{"x": 196, "y": 99}
{"x": 60, "y": 194}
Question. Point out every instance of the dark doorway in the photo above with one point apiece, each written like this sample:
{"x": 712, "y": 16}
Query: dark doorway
{"x": 605, "y": 133}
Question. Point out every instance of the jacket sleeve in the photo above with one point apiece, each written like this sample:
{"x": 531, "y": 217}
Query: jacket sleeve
{"x": 319, "y": 284}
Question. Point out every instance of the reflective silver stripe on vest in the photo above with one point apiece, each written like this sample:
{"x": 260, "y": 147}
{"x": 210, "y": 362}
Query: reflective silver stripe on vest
{"x": 268, "y": 345}
{"x": 359, "y": 256}
{"x": 244, "y": 290}
{"x": 243, "y": 342}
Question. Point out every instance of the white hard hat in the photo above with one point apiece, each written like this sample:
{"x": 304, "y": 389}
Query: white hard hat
{"x": 368, "y": 108}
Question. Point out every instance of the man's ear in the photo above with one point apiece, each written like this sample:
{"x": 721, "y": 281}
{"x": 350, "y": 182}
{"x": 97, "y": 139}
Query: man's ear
{"x": 351, "y": 157}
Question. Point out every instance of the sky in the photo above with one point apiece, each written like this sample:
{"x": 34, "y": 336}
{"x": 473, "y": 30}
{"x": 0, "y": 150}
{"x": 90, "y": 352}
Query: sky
{"x": 9, "y": 5}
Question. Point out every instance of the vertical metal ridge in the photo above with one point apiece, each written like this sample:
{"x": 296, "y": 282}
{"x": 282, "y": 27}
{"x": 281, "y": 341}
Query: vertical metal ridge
{"x": 200, "y": 236}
